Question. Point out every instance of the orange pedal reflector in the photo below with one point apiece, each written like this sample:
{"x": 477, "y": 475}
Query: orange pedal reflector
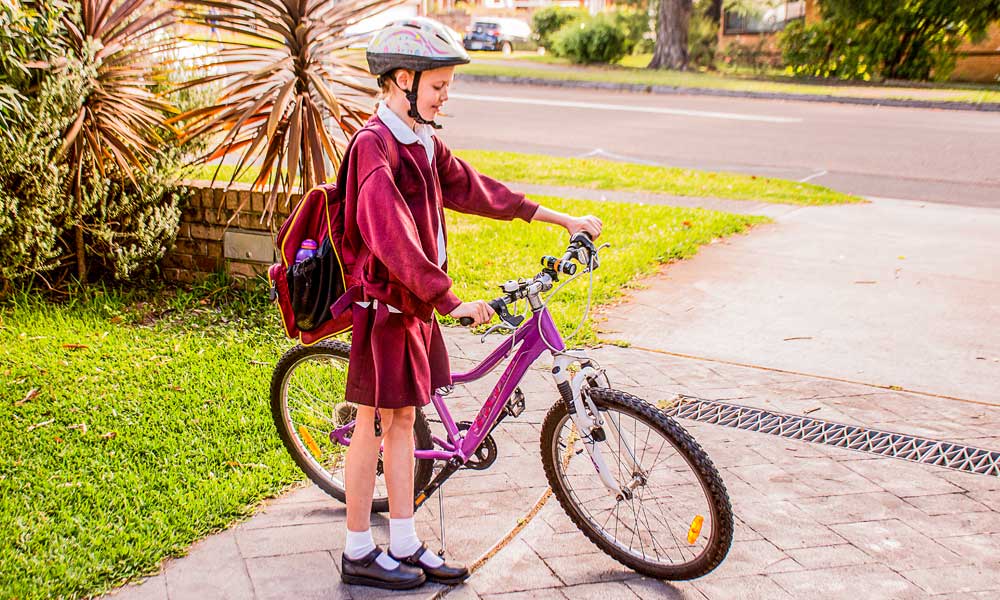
{"x": 304, "y": 434}
{"x": 695, "y": 530}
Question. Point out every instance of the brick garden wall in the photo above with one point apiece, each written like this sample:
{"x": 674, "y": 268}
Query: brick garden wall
{"x": 206, "y": 245}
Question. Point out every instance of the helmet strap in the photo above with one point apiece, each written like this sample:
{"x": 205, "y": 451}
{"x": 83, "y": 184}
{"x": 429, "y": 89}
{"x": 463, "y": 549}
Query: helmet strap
{"x": 411, "y": 95}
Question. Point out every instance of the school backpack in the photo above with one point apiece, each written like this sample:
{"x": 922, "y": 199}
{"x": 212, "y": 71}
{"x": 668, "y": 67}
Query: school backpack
{"x": 314, "y": 295}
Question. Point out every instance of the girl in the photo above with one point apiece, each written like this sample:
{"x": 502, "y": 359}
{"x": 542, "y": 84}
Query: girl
{"x": 400, "y": 177}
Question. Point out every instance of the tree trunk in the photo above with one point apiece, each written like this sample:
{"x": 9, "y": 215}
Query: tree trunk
{"x": 81, "y": 248}
{"x": 671, "y": 50}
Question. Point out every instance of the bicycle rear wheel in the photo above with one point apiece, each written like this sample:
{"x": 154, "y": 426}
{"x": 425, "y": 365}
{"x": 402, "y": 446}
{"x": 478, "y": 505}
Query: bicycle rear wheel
{"x": 308, "y": 402}
{"x": 677, "y": 522}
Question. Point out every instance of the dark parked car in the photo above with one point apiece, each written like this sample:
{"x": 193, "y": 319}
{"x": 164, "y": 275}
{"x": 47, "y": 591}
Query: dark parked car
{"x": 505, "y": 35}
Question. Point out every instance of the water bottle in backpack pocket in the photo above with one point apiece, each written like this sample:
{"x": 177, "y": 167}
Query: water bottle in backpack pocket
{"x": 314, "y": 284}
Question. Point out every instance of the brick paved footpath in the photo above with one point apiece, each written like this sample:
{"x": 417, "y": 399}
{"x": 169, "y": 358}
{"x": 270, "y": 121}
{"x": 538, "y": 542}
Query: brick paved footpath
{"x": 811, "y": 519}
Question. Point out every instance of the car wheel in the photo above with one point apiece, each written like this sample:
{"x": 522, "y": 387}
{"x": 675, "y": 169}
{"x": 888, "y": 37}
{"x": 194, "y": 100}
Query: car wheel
{"x": 506, "y": 48}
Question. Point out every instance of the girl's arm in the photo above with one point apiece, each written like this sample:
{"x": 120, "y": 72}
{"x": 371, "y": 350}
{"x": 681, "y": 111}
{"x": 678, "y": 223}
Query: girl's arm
{"x": 589, "y": 223}
{"x": 465, "y": 190}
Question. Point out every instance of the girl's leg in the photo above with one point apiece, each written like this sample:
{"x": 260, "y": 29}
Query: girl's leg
{"x": 359, "y": 469}
{"x": 361, "y": 563}
{"x": 399, "y": 463}
{"x": 403, "y": 540}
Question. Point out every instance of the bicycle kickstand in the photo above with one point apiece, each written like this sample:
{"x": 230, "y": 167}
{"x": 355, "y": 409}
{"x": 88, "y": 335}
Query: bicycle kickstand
{"x": 441, "y": 519}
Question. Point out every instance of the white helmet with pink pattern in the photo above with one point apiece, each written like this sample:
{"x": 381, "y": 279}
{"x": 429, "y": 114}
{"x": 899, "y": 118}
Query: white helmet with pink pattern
{"x": 417, "y": 43}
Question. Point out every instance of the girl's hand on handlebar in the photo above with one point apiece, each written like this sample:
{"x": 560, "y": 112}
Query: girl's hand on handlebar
{"x": 474, "y": 313}
{"x": 589, "y": 223}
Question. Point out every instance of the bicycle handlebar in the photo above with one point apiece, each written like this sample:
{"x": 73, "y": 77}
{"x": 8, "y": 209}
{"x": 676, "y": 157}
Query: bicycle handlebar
{"x": 581, "y": 248}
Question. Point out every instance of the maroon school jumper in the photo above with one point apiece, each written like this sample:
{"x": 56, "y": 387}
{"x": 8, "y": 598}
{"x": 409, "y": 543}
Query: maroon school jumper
{"x": 398, "y": 359}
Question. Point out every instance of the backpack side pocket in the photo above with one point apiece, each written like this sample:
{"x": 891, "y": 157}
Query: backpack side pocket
{"x": 282, "y": 298}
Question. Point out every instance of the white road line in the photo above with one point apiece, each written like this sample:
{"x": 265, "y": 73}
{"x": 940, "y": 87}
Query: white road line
{"x": 621, "y": 157}
{"x": 629, "y": 108}
{"x": 813, "y": 176}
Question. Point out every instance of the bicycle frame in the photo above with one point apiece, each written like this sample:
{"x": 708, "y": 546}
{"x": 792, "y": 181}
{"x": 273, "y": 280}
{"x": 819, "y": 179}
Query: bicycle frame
{"x": 529, "y": 344}
{"x": 535, "y": 336}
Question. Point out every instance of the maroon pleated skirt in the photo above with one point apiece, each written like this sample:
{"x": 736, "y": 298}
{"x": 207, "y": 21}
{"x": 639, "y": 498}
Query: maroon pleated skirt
{"x": 397, "y": 360}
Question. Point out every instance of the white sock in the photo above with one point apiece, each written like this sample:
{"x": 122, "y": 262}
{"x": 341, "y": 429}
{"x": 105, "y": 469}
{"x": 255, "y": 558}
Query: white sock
{"x": 360, "y": 543}
{"x": 403, "y": 542}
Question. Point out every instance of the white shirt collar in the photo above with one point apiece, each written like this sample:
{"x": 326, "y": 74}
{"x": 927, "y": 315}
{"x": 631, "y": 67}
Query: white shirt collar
{"x": 403, "y": 134}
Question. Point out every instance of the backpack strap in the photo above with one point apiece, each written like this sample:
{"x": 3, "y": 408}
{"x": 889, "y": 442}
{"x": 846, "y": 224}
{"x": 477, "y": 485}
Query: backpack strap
{"x": 392, "y": 151}
{"x": 391, "y": 147}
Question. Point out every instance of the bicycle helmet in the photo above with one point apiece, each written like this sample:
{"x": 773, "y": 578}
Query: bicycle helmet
{"x": 418, "y": 44}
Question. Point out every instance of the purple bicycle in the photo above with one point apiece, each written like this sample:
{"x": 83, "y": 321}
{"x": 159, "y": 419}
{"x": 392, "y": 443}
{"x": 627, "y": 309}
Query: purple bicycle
{"x": 628, "y": 475}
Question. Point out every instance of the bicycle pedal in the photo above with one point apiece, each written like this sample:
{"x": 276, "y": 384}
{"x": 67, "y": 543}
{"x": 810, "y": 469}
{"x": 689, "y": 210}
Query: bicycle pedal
{"x": 515, "y": 405}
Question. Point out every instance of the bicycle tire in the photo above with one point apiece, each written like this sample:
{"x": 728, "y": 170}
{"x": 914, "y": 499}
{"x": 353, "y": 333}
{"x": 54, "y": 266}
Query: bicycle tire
{"x": 297, "y": 448}
{"x": 694, "y": 456}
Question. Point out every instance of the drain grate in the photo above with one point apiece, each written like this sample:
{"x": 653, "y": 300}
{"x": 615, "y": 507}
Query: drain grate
{"x": 884, "y": 443}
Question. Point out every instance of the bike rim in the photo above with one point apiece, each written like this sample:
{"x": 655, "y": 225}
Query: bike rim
{"x": 669, "y": 521}
{"x": 313, "y": 389}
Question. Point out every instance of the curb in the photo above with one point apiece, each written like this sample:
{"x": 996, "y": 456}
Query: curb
{"x": 696, "y": 91}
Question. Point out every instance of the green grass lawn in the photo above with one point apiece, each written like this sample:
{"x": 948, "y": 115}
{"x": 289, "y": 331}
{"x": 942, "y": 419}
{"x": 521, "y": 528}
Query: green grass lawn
{"x": 134, "y": 423}
{"x": 124, "y": 443}
{"x": 595, "y": 173}
{"x": 632, "y": 71}
{"x": 612, "y": 175}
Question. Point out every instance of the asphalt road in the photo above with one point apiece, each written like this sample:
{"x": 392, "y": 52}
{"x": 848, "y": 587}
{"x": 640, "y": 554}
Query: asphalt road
{"x": 939, "y": 156}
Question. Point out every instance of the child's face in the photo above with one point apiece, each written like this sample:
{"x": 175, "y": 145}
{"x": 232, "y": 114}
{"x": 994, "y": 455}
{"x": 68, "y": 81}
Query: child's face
{"x": 433, "y": 90}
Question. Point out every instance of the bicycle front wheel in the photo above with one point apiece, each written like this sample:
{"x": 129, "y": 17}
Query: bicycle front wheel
{"x": 308, "y": 402}
{"x": 674, "y": 521}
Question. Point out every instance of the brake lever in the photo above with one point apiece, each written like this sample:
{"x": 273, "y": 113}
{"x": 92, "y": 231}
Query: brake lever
{"x": 500, "y": 308}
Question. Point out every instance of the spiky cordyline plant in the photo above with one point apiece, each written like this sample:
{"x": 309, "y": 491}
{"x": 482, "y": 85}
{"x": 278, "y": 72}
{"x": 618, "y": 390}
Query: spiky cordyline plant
{"x": 286, "y": 70}
{"x": 117, "y": 129}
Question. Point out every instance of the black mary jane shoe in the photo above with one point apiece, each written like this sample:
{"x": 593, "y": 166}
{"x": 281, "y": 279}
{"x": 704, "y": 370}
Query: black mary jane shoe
{"x": 446, "y": 574}
{"x": 365, "y": 571}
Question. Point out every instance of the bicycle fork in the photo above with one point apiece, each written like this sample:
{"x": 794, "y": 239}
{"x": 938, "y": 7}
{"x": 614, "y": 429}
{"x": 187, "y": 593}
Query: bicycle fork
{"x": 591, "y": 427}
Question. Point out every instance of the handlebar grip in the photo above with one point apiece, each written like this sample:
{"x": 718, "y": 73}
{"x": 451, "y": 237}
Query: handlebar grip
{"x": 466, "y": 321}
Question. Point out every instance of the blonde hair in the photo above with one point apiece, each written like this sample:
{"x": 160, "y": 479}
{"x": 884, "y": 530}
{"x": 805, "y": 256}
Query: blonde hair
{"x": 386, "y": 82}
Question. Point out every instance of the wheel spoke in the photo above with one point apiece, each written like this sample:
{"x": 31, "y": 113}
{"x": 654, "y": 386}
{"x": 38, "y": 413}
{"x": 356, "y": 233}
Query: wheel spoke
{"x": 312, "y": 383}
{"x": 664, "y": 491}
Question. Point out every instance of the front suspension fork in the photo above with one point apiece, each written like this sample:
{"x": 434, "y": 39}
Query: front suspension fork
{"x": 591, "y": 427}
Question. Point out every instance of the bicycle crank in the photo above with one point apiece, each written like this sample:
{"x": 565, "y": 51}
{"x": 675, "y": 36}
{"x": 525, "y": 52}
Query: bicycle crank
{"x": 485, "y": 455}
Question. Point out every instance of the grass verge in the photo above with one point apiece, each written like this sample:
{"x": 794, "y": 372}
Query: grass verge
{"x": 612, "y": 175}
{"x": 633, "y": 71}
{"x": 124, "y": 442}
{"x": 602, "y": 174}
{"x": 134, "y": 423}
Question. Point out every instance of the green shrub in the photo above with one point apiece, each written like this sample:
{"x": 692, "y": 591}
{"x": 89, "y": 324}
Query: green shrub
{"x": 34, "y": 206}
{"x": 634, "y": 24}
{"x": 827, "y": 49}
{"x": 127, "y": 225}
{"x": 27, "y": 39}
{"x": 916, "y": 39}
{"x": 703, "y": 41}
{"x": 588, "y": 41}
{"x": 546, "y": 22}
{"x": 132, "y": 225}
